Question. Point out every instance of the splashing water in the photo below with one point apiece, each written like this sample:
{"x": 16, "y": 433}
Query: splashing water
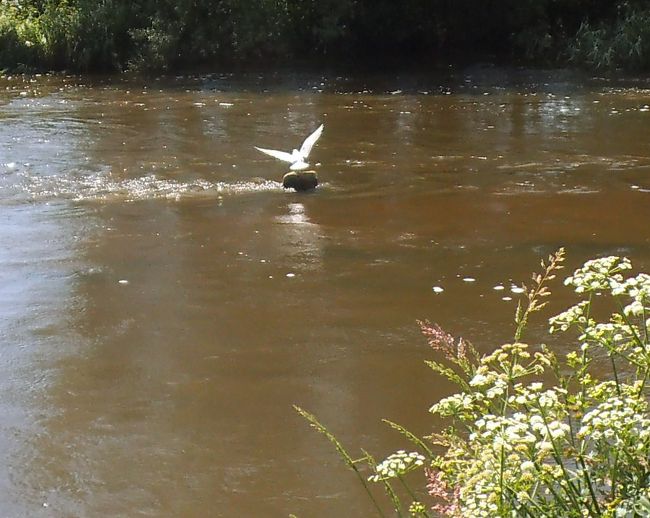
{"x": 104, "y": 186}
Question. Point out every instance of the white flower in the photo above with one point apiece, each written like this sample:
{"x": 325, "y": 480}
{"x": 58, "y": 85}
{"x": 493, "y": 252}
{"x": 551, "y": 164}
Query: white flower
{"x": 636, "y": 287}
{"x": 537, "y": 423}
{"x": 479, "y": 380}
{"x": 615, "y": 419}
{"x": 453, "y": 404}
{"x": 527, "y": 466}
{"x": 634, "y": 309}
{"x": 396, "y": 465}
{"x": 599, "y": 274}
{"x": 558, "y": 430}
{"x": 497, "y": 389}
{"x": 574, "y": 315}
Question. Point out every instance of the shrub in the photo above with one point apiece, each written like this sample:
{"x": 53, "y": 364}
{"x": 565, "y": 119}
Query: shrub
{"x": 166, "y": 35}
{"x": 57, "y": 34}
{"x": 531, "y": 435}
{"x": 622, "y": 44}
{"x": 19, "y": 38}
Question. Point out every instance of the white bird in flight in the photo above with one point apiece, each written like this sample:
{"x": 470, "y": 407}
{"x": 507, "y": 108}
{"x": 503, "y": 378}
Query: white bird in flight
{"x": 297, "y": 158}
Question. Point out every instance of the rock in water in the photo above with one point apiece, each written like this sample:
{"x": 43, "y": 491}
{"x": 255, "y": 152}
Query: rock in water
{"x": 300, "y": 180}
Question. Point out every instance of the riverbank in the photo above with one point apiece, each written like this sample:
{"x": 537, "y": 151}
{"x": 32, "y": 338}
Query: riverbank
{"x": 81, "y": 35}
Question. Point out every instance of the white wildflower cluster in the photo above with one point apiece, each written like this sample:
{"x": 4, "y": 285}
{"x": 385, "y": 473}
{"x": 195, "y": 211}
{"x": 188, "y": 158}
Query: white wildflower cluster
{"x": 620, "y": 420}
{"x": 481, "y": 478}
{"x": 598, "y": 274}
{"x": 612, "y": 332}
{"x": 396, "y": 465}
{"x": 456, "y": 404}
{"x": 606, "y": 389}
{"x": 479, "y": 486}
{"x": 582, "y": 445}
{"x": 638, "y": 289}
{"x": 574, "y": 315}
{"x": 498, "y": 388}
{"x": 503, "y": 432}
{"x": 635, "y": 308}
{"x": 483, "y": 377}
{"x": 611, "y": 389}
{"x": 535, "y": 431}
{"x": 516, "y": 449}
{"x": 534, "y": 397}
{"x": 635, "y": 287}
{"x": 618, "y": 337}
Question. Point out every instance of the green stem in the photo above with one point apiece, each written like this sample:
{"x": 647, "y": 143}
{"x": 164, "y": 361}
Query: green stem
{"x": 342, "y": 452}
{"x": 588, "y": 481}
{"x": 571, "y": 491}
{"x": 410, "y": 492}
{"x": 535, "y": 505}
{"x": 613, "y": 474}
{"x": 643, "y": 382}
{"x": 397, "y": 505}
{"x": 612, "y": 351}
{"x": 552, "y": 490}
{"x": 410, "y": 436}
{"x": 616, "y": 380}
{"x": 501, "y": 469}
{"x": 628, "y": 323}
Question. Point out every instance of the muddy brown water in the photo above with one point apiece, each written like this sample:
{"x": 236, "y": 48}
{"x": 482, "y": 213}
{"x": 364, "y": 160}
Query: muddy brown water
{"x": 163, "y": 302}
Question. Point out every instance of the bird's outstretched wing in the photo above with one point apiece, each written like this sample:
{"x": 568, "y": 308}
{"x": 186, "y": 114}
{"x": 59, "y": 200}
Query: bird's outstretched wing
{"x": 309, "y": 142}
{"x": 280, "y": 155}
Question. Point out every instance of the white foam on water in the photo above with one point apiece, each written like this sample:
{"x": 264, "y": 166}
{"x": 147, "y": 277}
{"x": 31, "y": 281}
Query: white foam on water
{"x": 103, "y": 186}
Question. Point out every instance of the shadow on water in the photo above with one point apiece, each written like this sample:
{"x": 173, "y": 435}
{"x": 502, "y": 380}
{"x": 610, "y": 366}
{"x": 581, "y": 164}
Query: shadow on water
{"x": 164, "y": 301}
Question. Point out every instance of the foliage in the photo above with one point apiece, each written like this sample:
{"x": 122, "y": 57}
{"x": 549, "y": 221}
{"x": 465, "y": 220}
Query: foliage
{"x": 166, "y": 35}
{"x": 531, "y": 435}
{"x": 53, "y": 34}
{"x": 606, "y": 45}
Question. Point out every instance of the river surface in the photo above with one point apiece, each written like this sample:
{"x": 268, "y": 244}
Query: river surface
{"x": 164, "y": 302}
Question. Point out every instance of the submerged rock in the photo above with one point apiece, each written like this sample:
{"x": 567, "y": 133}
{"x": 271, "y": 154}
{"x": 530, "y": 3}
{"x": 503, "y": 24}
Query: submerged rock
{"x": 300, "y": 180}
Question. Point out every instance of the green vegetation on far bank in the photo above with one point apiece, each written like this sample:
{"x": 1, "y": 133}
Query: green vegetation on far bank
{"x": 109, "y": 35}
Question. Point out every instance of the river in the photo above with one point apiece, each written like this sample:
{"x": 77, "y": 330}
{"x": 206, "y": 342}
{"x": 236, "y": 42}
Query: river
{"x": 164, "y": 302}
